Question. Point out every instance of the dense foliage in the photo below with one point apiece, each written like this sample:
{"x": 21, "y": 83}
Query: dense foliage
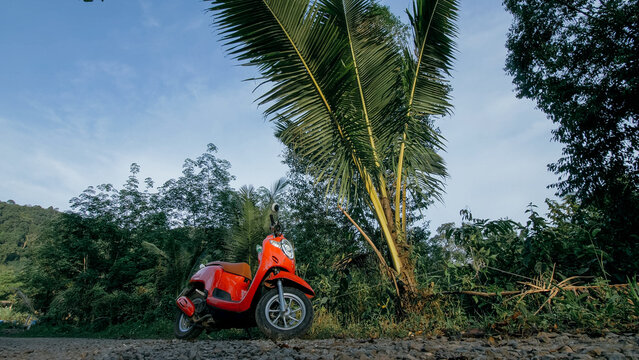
{"x": 121, "y": 256}
{"x": 20, "y": 227}
{"x": 579, "y": 60}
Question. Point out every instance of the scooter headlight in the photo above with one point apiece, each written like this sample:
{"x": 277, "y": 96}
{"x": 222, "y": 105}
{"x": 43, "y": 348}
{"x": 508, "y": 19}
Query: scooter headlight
{"x": 286, "y": 247}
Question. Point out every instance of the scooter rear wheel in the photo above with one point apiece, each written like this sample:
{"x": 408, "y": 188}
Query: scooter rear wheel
{"x": 184, "y": 328}
{"x": 294, "y": 322}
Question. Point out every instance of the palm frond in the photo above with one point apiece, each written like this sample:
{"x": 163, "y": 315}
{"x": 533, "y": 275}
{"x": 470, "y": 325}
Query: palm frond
{"x": 248, "y": 228}
{"x": 434, "y": 29}
{"x": 299, "y": 52}
{"x": 374, "y": 62}
{"x": 425, "y": 74}
{"x": 270, "y": 195}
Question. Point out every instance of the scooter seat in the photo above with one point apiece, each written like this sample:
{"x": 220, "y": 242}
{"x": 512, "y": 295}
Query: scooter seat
{"x": 241, "y": 269}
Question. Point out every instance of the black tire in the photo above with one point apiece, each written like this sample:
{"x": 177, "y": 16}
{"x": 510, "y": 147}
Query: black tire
{"x": 275, "y": 326}
{"x": 184, "y": 328}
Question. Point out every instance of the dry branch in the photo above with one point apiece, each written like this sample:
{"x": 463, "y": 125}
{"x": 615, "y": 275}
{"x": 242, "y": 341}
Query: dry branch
{"x": 540, "y": 286}
{"x": 379, "y": 254}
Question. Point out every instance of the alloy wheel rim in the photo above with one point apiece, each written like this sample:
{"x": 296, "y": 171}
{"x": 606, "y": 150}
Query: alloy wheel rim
{"x": 185, "y": 323}
{"x": 294, "y": 313}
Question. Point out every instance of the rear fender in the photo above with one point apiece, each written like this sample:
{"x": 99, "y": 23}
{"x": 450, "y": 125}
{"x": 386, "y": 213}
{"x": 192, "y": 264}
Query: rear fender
{"x": 291, "y": 280}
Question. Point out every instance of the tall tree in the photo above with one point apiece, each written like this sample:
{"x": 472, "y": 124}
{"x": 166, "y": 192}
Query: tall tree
{"x": 352, "y": 99}
{"x": 579, "y": 60}
{"x": 199, "y": 202}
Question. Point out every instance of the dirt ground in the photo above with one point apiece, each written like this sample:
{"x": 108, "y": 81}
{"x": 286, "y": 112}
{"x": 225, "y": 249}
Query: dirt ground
{"x": 542, "y": 346}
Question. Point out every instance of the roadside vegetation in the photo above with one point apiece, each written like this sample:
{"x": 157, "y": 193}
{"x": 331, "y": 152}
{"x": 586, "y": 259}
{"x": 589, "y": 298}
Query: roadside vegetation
{"x": 87, "y": 275}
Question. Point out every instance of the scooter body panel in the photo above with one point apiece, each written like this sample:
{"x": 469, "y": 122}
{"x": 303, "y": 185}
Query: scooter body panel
{"x": 230, "y": 286}
{"x": 206, "y": 276}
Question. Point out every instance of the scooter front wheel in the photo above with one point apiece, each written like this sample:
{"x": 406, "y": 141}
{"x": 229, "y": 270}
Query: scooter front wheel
{"x": 294, "y": 321}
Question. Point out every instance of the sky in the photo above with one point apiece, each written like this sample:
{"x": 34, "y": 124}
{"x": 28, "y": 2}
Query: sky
{"x": 86, "y": 89}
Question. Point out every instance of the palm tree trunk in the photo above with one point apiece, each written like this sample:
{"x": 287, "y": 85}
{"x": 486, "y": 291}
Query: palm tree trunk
{"x": 389, "y": 217}
{"x": 407, "y": 276}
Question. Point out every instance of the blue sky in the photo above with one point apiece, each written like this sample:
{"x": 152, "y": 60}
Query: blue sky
{"x": 86, "y": 89}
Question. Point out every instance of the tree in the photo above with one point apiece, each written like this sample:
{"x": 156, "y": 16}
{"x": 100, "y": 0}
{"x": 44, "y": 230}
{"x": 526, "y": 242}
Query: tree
{"x": 579, "y": 60}
{"x": 351, "y": 98}
{"x": 126, "y": 253}
{"x": 20, "y": 229}
{"x": 201, "y": 196}
{"x": 199, "y": 202}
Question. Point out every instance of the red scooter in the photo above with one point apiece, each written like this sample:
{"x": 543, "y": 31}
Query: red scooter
{"x": 224, "y": 295}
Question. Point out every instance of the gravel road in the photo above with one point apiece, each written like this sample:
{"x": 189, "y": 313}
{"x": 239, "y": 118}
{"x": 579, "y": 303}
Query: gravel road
{"x": 542, "y": 346}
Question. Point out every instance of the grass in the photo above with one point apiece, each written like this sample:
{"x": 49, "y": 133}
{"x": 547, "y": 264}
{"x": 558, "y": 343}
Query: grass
{"x": 9, "y": 315}
{"x": 160, "y": 329}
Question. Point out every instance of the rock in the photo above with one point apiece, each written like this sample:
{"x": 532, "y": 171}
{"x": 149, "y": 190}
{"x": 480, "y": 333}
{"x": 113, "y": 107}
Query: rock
{"x": 543, "y": 337}
{"x": 512, "y": 343}
{"x": 582, "y": 357}
{"x": 566, "y": 349}
{"x": 194, "y": 354}
{"x": 416, "y": 346}
{"x": 615, "y": 356}
{"x": 595, "y": 351}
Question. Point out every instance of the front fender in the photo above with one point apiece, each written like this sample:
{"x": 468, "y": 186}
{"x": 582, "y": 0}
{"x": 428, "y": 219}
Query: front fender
{"x": 292, "y": 280}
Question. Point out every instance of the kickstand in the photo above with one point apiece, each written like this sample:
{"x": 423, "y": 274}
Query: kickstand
{"x": 248, "y": 333}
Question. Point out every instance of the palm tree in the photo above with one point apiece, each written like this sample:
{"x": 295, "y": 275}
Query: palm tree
{"x": 269, "y": 196}
{"x": 350, "y": 99}
{"x": 248, "y": 227}
{"x": 251, "y": 221}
